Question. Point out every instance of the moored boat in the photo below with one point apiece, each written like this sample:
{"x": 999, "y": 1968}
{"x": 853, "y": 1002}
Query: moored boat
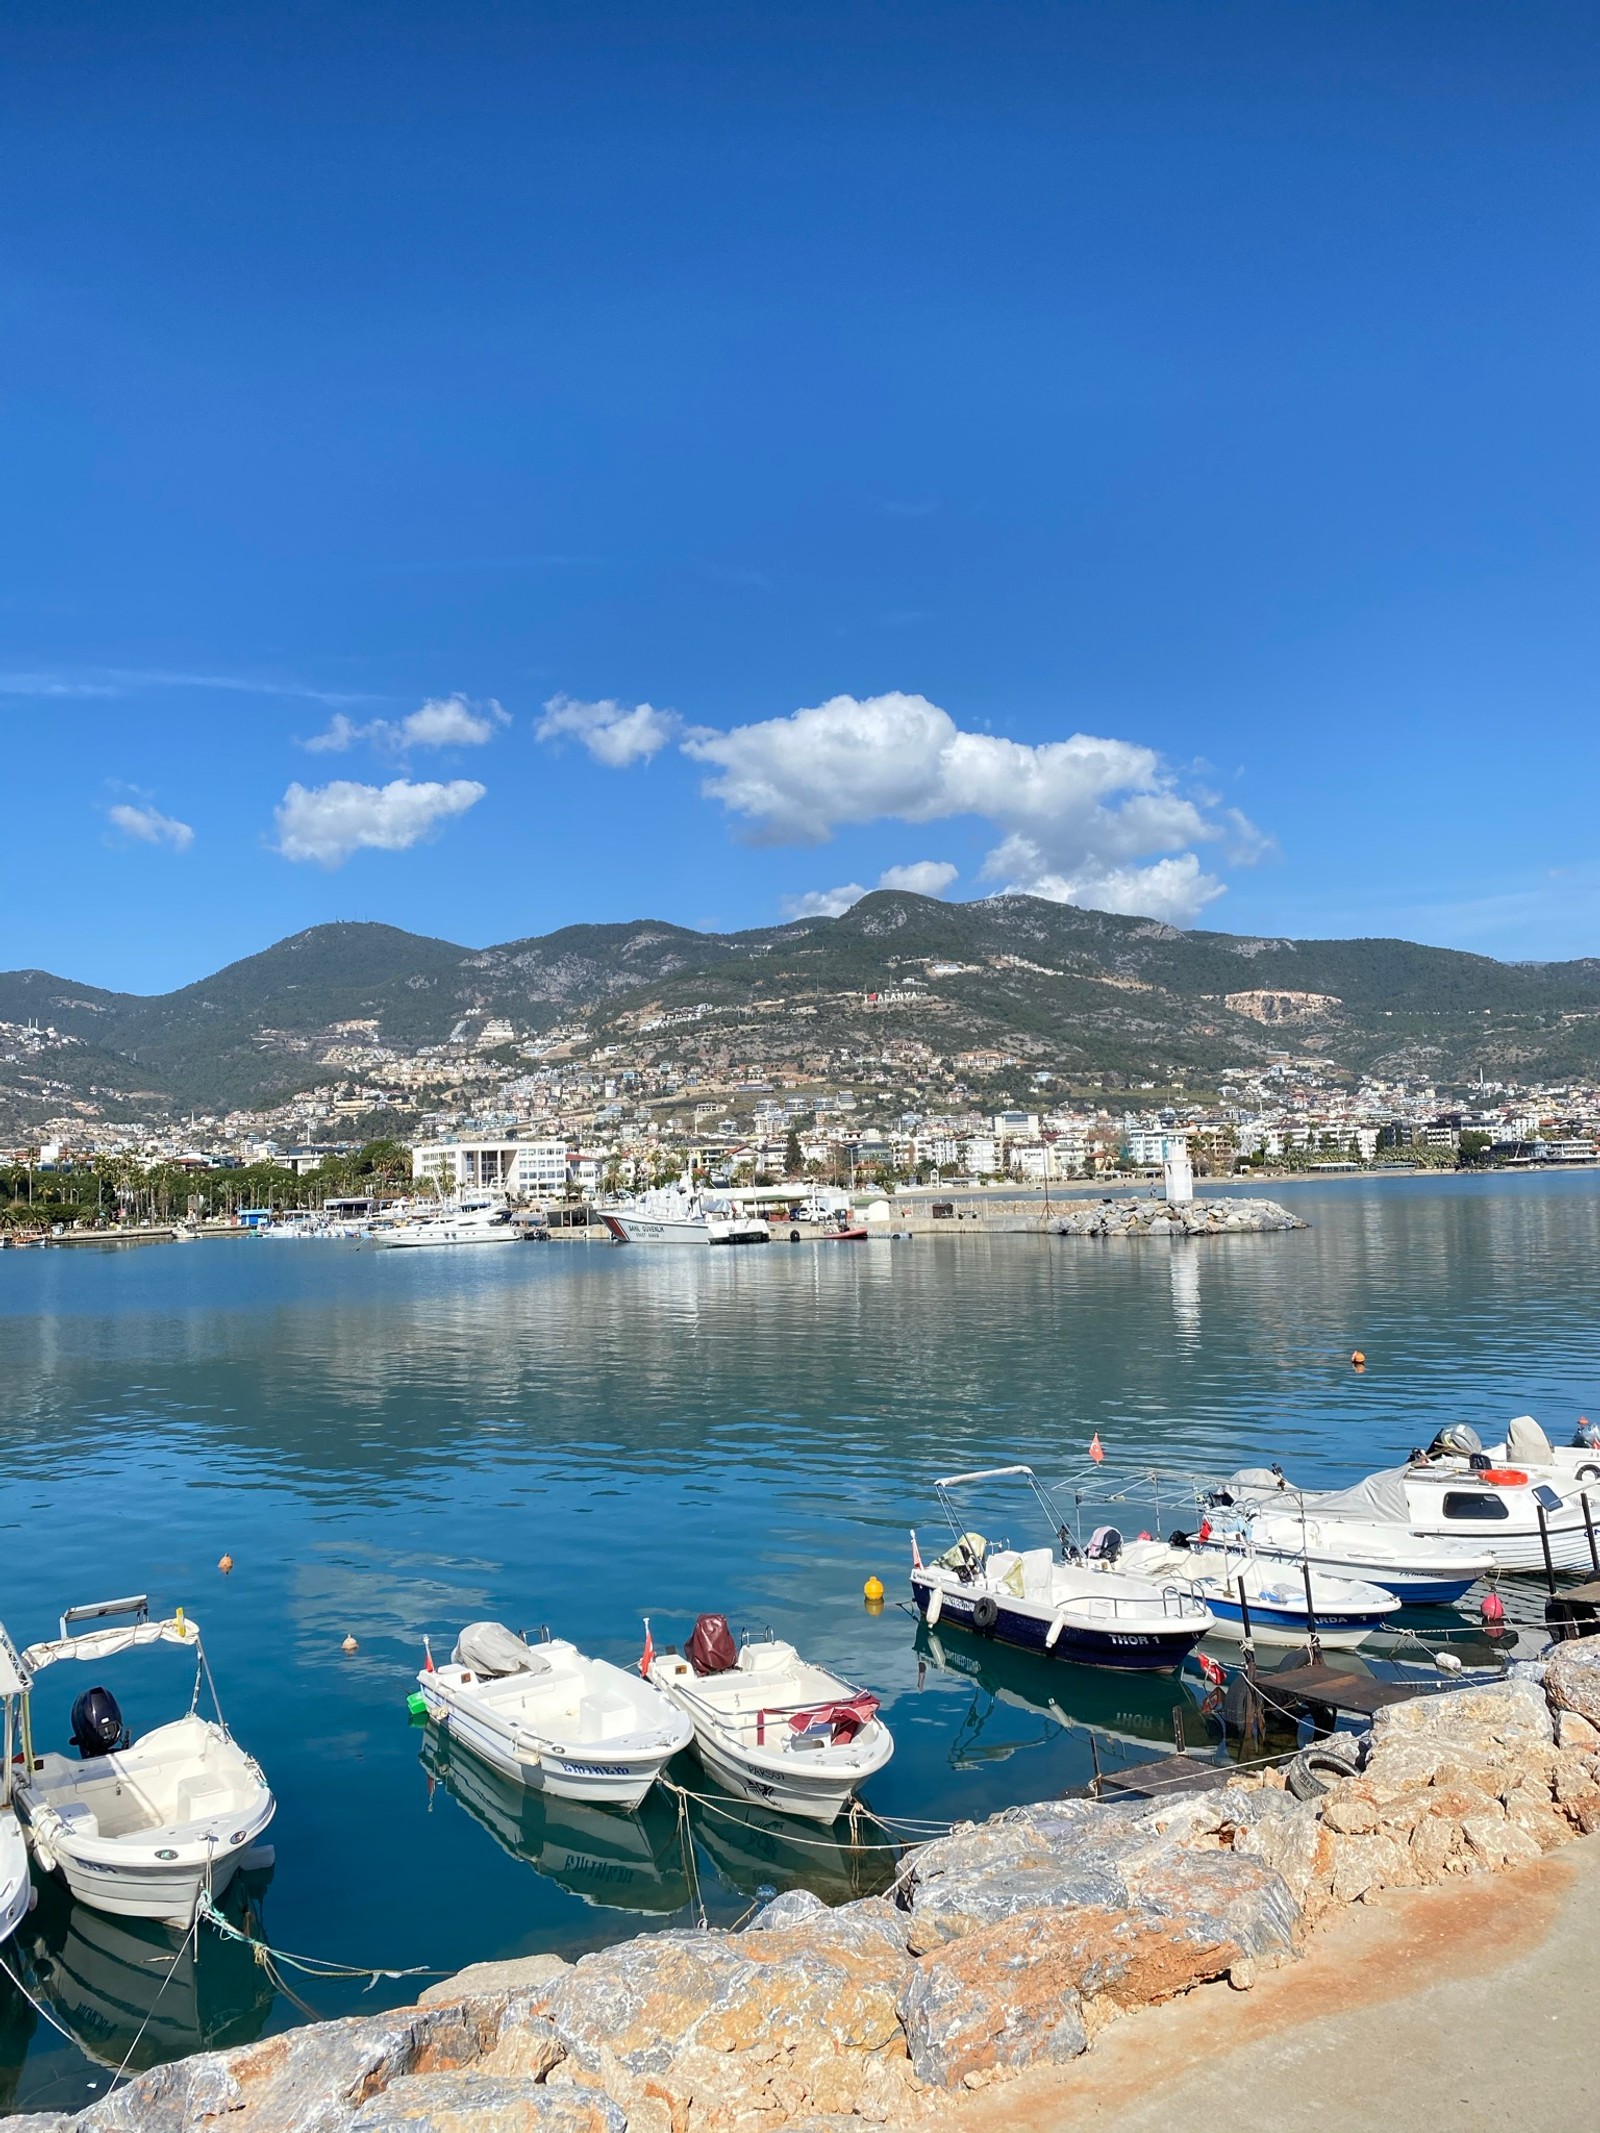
{"x": 674, "y": 1214}
{"x": 1343, "y": 1611}
{"x": 473, "y": 1222}
{"x": 16, "y": 1889}
{"x": 552, "y": 1718}
{"x": 145, "y": 1827}
{"x": 1062, "y": 1605}
{"x": 772, "y": 1727}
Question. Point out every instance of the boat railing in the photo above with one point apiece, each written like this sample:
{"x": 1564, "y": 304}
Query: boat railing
{"x": 1179, "y": 1605}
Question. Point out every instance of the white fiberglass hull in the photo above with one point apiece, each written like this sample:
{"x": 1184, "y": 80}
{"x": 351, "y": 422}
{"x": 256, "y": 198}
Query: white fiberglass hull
{"x": 608, "y": 1744}
{"x": 16, "y": 1889}
{"x": 742, "y": 1733}
{"x": 640, "y": 1229}
{"x": 399, "y": 1240}
{"x": 146, "y": 1831}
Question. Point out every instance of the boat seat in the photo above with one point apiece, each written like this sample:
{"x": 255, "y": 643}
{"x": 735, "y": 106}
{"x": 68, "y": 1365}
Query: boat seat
{"x": 201, "y": 1796}
{"x": 1036, "y": 1567}
{"x": 604, "y": 1715}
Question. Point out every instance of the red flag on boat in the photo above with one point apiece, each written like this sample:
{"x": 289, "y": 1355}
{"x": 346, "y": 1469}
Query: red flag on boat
{"x": 647, "y": 1658}
{"x": 428, "y": 1666}
{"x": 916, "y": 1552}
{"x": 1097, "y": 1450}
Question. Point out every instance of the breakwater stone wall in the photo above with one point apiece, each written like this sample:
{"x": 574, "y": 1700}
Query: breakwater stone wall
{"x": 1007, "y": 1944}
{"x": 1178, "y": 1218}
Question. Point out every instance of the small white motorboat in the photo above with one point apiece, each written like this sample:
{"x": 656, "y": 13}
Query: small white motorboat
{"x": 1343, "y": 1611}
{"x": 139, "y": 1828}
{"x": 1068, "y": 1609}
{"x": 552, "y": 1718}
{"x": 772, "y": 1727}
{"x": 16, "y": 1888}
{"x": 480, "y": 1220}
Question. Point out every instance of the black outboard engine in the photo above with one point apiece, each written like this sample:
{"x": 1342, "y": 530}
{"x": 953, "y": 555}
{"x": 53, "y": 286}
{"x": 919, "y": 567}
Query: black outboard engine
{"x": 97, "y": 1725}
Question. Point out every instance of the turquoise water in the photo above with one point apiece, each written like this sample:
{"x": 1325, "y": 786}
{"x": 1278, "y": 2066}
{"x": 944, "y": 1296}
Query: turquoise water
{"x": 388, "y": 1443}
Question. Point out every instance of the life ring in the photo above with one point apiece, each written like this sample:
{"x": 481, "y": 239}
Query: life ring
{"x": 1589, "y": 1473}
{"x": 1504, "y": 1477}
{"x": 985, "y": 1613}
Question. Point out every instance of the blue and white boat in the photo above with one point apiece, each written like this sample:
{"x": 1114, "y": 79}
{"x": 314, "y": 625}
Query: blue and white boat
{"x": 1343, "y": 1611}
{"x": 1057, "y": 1604}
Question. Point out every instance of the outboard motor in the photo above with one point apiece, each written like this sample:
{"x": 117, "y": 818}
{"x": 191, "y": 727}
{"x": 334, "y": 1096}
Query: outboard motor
{"x": 1177, "y": 1538}
{"x": 1105, "y": 1545}
{"x": 1586, "y": 1435}
{"x": 711, "y": 1649}
{"x": 1457, "y": 1440}
{"x": 97, "y": 1725}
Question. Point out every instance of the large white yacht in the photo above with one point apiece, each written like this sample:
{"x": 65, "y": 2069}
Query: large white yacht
{"x": 485, "y": 1220}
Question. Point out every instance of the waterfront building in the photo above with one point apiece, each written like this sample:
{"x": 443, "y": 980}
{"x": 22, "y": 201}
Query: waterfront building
{"x": 530, "y": 1170}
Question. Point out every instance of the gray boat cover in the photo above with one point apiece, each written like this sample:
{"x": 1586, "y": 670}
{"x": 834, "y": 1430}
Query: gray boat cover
{"x": 1527, "y": 1443}
{"x": 490, "y": 1648}
{"x": 1381, "y": 1496}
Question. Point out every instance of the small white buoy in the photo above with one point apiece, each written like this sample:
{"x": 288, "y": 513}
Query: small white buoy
{"x": 1447, "y": 1662}
{"x": 349, "y": 1644}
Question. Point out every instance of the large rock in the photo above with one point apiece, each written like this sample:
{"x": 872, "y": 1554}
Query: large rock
{"x": 37, "y": 2122}
{"x": 1572, "y": 1678}
{"x": 791, "y": 2018}
{"x": 1499, "y": 1719}
{"x": 478, "y": 2103}
{"x": 315, "y": 2080}
{"x": 1001, "y": 1997}
{"x": 1061, "y": 1853}
{"x": 480, "y": 1978}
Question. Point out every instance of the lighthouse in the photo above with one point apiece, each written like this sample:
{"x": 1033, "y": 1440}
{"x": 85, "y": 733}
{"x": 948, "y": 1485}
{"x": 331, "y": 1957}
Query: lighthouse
{"x": 1178, "y": 1169}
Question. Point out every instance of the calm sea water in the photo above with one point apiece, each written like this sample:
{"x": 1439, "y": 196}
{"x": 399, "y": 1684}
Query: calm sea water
{"x": 389, "y": 1443}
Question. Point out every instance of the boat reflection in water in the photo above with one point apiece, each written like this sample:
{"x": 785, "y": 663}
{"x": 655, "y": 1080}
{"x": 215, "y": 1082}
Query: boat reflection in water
{"x": 1022, "y": 1703}
{"x": 102, "y": 1978}
{"x": 760, "y": 1853}
{"x": 614, "y": 1859}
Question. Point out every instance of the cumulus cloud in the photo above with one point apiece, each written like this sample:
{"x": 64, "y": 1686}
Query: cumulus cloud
{"x": 326, "y": 823}
{"x": 823, "y": 903}
{"x": 440, "y": 722}
{"x": 147, "y": 825}
{"x": 923, "y": 877}
{"x": 1085, "y": 820}
{"x": 614, "y": 734}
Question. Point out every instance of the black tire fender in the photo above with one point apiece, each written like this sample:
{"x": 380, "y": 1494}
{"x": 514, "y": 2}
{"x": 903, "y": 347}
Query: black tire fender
{"x": 985, "y": 1613}
{"x": 1317, "y": 1768}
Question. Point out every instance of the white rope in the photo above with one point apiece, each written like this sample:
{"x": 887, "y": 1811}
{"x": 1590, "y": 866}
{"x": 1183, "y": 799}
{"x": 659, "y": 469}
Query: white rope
{"x": 38, "y": 2006}
{"x": 183, "y": 1947}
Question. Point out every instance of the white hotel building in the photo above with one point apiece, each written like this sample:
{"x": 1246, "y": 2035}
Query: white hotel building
{"x": 526, "y": 1170}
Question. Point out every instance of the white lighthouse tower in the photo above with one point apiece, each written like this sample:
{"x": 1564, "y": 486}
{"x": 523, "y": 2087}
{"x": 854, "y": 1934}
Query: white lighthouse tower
{"x": 1179, "y": 1170}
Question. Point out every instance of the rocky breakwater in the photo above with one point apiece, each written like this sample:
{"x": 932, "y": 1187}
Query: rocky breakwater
{"x": 1008, "y": 1944}
{"x": 1174, "y": 1218}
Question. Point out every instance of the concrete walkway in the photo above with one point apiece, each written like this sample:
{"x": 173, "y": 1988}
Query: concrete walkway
{"x": 1471, "y": 2008}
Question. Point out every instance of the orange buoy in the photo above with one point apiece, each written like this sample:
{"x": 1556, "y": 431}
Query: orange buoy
{"x": 349, "y": 1644}
{"x": 1358, "y": 1361}
{"x": 1503, "y": 1477}
{"x": 225, "y": 1563}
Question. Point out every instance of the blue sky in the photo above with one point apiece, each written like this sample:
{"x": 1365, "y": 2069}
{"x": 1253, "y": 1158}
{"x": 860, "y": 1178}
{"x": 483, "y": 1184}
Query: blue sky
{"x": 489, "y": 467}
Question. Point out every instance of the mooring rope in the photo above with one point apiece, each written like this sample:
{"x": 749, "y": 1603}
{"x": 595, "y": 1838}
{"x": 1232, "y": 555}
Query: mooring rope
{"x": 38, "y": 2006}
{"x": 315, "y": 1966}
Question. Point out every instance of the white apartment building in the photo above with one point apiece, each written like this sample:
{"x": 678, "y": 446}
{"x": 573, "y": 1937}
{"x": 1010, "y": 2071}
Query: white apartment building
{"x": 532, "y": 1170}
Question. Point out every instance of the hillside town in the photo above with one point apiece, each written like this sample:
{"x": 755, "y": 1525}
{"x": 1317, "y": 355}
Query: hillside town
{"x": 584, "y": 1113}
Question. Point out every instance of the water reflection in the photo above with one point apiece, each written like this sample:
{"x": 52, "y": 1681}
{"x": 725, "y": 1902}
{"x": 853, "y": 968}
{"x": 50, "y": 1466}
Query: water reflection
{"x": 609, "y": 1858}
{"x": 754, "y": 1851}
{"x": 1183, "y": 1272}
{"x": 122, "y": 1985}
{"x": 1026, "y": 1706}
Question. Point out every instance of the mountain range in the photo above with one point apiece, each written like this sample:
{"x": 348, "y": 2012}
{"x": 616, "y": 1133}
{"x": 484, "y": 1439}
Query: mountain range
{"x": 1103, "y": 1000}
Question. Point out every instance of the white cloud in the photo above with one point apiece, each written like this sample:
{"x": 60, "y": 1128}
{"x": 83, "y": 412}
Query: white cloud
{"x": 614, "y": 734}
{"x": 1083, "y": 820}
{"x": 133, "y": 681}
{"x": 823, "y": 903}
{"x": 326, "y": 823}
{"x": 923, "y": 877}
{"x": 441, "y": 722}
{"x": 149, "y": 826}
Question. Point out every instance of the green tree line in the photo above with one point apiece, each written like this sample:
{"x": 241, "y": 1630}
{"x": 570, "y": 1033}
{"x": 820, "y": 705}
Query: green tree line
{"x": 119, "y": 1190}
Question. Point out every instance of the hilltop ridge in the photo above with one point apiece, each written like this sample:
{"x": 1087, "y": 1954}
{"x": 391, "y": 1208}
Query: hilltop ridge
{"x": 1095, "y": 995}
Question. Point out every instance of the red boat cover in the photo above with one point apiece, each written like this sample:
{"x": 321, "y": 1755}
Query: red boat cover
{"x": 846, "y": 1719}
{"x": 711, "y": 1650}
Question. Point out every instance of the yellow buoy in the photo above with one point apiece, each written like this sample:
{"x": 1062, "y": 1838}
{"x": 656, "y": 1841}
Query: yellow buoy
{"x": 872, "y": 1590}
{"x": 1358, "y": 1361}
{"x": 349, "y": 1644}
{"x": 225, "y": 1563}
